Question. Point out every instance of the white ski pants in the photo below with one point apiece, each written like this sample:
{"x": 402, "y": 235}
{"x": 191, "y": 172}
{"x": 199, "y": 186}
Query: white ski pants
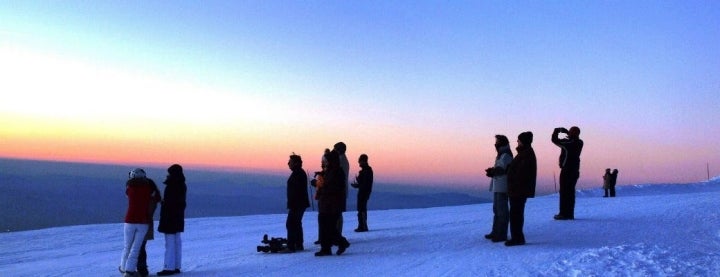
{"x": 173, "y": 251}
{"x": 134, "y": 236}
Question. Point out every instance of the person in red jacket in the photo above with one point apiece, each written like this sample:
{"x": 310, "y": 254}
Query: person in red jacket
{"x": 139, "y": 193}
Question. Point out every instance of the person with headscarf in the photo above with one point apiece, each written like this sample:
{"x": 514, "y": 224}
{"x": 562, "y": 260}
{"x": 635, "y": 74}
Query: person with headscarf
{"x": 172, "y": 219}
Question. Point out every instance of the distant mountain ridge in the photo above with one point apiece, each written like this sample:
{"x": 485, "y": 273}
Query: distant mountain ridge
{"x": 42, "y": 194}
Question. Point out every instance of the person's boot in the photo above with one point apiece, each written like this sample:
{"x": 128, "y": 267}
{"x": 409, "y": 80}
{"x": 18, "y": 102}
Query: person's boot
{"x": 323, "y": 252}
{"x": 362, "y": 227}
{"x": 342, "y": 246}
{"x": 364, "y": 221}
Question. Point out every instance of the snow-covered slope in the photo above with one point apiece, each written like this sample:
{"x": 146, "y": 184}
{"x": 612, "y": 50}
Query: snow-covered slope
{"x": 650, "y": 230}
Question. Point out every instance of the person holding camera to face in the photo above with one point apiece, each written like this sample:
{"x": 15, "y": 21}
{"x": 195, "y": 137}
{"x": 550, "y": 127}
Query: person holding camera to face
{"x": 570, "y": 149}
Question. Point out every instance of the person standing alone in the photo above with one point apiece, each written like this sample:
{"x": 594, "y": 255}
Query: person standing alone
{"x": 363, "y": 182}
{"x": 297, "y": 202}
{"x": 499, "y": 188}
{"x": 172, "y": 219}
{"x": 570, "y": 149}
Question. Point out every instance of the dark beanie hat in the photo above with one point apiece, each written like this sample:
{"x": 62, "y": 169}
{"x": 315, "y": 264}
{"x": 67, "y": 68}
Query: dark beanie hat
{"x": 526, "y": 138}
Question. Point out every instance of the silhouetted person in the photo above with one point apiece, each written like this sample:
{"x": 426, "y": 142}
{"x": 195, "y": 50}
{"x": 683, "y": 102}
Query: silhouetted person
{"x": 613, "y": 182}
{"x": 340, "y": 148}
{"x": 363, "y": 182}
{"x": 499, "y": 188}
{"x": 172, "y": 219}
{"x": 330, "y": 199}
{"x": 522, "y": 177}
{"x": 318, "y": 181}
{"x": 297, "y": 202}
{"x": 570, "y": 149}
{"x": 607, "y": 180}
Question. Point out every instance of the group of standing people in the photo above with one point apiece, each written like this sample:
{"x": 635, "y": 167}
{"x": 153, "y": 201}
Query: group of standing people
{"x": 143, "y": 196}
{"x": 331, "y": 185}
{"x": 513, "y": 181}
{"x": 609, "y": 181}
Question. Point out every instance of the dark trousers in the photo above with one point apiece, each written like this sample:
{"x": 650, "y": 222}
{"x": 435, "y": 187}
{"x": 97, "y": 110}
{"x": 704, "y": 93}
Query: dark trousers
{"x": 329, "y": 234}
{"x": 362, "y": 200}
{"x": 517, "y": 218}
{"x": 501, "y": 215}
{"x": 293, "y": 224}
{"x": 568, "y": 180}
{"x": 142, "y": 266}
{"x": 612, "y": 191}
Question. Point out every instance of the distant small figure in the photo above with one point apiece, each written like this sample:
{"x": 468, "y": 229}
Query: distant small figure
{"x": 139, "y": 193}
{"x": 297, "y": 202}
{"x": 607, "y": 179}
{"x": 363, "y": 182}
{"x": 613, "y": 181}
{"x": 172, "y": 219}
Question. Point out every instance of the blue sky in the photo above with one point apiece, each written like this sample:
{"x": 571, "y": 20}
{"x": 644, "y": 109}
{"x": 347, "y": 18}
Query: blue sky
{"x": 421, "y": 86}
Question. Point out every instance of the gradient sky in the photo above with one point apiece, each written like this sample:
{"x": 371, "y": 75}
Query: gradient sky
{"x": 422, "y": 87}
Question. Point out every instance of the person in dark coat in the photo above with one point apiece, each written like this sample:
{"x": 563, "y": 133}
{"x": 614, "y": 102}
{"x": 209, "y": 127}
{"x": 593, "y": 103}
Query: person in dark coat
{"x": 341, "y": 148}
{"x": 330, "y": 201}
{"x": 613, "y": 182}
{"x": 172, "y": 219}
{"x": 607, "y": 179}
{"x": 363, "y": 182}
{"x": 297, "y": 202}
{"x": 570, "y": 149}
{"x": 522, "y": 178}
